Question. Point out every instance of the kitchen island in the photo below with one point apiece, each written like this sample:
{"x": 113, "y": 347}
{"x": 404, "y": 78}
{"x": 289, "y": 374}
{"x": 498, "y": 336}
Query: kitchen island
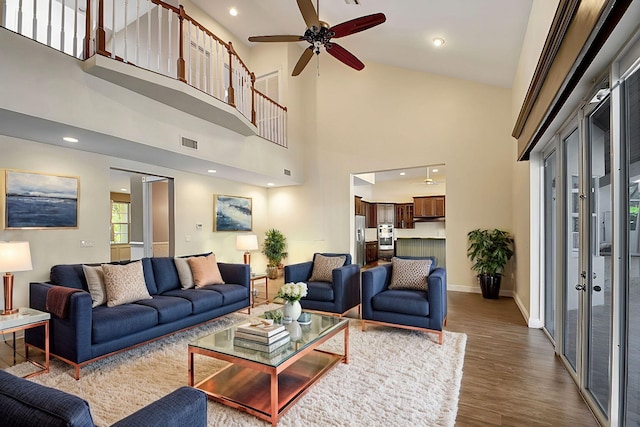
{"x": 422, "y": 247}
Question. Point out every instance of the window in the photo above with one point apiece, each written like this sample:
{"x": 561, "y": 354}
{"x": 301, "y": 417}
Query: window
{"x": 119, "y": 222}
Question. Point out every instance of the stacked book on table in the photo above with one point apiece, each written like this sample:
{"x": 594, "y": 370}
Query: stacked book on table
{"x": 265, "y": 338}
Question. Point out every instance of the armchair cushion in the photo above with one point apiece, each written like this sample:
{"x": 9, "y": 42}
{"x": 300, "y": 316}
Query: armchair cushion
{"x": 323, "y": 267}
{"x": 403, "y": 301}
{"x": 409, "y": 273}
{"x": 320, "y": 291}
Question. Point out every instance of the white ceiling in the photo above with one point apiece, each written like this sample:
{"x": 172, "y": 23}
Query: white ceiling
{"x": 483, "y": 37}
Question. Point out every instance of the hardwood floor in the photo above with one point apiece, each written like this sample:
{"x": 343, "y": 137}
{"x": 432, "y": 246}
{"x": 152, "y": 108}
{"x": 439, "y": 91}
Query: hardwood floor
{"x": 511, "y": 375}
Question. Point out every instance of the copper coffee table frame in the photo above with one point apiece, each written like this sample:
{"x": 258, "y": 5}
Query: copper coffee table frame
{"x": 266, "y": 390}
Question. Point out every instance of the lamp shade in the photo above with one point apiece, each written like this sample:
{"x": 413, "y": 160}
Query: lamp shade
{"x": 247, "y": 242}
{"x": 15, "y": 256}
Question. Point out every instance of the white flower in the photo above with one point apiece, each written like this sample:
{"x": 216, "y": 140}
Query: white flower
{"x": 293, "y": 291}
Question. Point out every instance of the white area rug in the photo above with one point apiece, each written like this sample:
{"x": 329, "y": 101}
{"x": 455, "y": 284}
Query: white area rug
{"x": 394, "y": 377}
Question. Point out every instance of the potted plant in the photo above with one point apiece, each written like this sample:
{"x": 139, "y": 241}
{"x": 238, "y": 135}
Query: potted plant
{"x": 489, "y": 251}
{"x": 274, "y": 249}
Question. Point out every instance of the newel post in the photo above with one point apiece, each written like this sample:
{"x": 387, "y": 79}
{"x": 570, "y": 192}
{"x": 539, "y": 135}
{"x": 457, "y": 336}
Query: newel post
{"x": 253, "y": 98}
{"x": 232, "y": 98}
{"x": 87, "y": 32}
{"x": 181, "y": 64}
{"x": 101, "y": 35}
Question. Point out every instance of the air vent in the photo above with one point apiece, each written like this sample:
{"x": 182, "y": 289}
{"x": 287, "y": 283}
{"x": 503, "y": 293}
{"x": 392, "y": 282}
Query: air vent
{"x": 287, "y": 172}
{"x": 189, "y": 143}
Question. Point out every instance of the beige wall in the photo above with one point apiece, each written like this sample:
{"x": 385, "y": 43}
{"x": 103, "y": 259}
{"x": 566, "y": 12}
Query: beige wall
{"x": 194, "y": 204}
{"x": 525, "y": 196}
{"x": 387, "y": 118}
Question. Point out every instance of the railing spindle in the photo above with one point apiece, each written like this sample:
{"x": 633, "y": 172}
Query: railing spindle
{"x": 35, "y": 20}
{"x": 20, "y": 17}
{"x": 169, "y": 41}
{"x": 159, "y": 37}
{"x": 149, "y": 34}
{"x": 62, "y": 33}
{"x": 75, "y": 28}
{"x": 113, "y": 25}
{"x": 137, "y": 31}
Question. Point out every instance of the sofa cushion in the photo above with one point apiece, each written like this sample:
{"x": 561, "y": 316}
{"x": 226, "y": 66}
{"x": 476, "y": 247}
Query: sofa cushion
{"x": 124, "y": 283}
{"x": 169, "y": 308}
{"x": 201, "y": 299}
{"x": 230, "y": 293}
{"x": 25, "y": 403}
{"x": 184, "y": 272}
{"x": 404, "y": 301}
{"x": 323, "y": 267}
{"x": 205, "y": 271}
{"x": 409, "y": 273}
{"x": 320, "y": 291}
{"x": 116, "y": 322}
{"x": 95, "y": 282}
{"x": 165, "y": 274}
{"x": 70, "y": 275}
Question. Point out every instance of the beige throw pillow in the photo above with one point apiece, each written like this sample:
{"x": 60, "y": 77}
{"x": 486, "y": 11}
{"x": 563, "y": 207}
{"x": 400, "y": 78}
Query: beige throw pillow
{"x": 95, "y": 282}
{"x": 184, "y": 272}
{"x": 205, "y": 271}
{"x": 409, "y": 273}
{"x": 323, "y": 267}
{"x": 124, "y": 283}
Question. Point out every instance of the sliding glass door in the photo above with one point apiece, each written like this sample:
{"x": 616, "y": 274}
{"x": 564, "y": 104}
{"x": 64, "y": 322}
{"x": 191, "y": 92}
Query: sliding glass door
{"x": 551, "y": 238}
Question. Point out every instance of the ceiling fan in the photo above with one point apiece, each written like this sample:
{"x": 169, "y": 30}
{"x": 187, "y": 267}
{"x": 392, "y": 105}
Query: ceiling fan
{"x": 319, "y": 33}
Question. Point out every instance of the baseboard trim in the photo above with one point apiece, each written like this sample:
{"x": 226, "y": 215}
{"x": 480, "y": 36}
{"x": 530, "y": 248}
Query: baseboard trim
{"x": 534, "y": 323}
{"x": 476, "y": 290}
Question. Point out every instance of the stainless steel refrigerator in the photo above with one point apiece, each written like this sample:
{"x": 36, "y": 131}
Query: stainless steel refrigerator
{"x": 359, "y": 250}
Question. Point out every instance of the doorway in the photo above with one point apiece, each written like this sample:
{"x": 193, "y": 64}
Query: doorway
{"x": 147, "y": 215}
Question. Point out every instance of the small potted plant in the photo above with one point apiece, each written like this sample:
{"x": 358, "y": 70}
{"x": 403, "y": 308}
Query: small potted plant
{"x": 489, "y": 251}
{"x": 274, "y": 248}
{"x": 292, "y": 293}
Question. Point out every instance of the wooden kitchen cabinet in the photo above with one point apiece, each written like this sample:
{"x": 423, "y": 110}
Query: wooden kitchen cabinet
{"x": 358, "y": 205}
{"x": 386, "y": 213}
{"x": 429, "y": 207}
{"x": 371, "y": 252}
{"x": 371, "y": 215}
{"x": 404, "y": 215}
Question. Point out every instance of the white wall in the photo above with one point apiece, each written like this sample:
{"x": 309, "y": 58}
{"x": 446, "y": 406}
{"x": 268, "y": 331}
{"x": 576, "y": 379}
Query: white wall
{"x": 193, "y": 204}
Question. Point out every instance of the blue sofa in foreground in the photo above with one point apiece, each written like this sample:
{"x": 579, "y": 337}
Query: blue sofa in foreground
{"x": 410, "y": 297}
{"x": 89, "y": 333}
{"x": 26, "y": 404}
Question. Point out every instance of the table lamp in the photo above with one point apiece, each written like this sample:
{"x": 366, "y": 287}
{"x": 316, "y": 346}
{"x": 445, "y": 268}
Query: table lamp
{"x": 14, "y": 256}
{"x": 247, "y": 242}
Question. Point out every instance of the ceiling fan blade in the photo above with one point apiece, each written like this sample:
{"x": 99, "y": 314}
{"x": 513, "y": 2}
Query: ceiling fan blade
{"x": 358, "y": 24}
{"x": 343, "y": 55}
{"x": 275, "y": 38}
{"x": 309, "y": 13}
{"x": 303, "y": 61}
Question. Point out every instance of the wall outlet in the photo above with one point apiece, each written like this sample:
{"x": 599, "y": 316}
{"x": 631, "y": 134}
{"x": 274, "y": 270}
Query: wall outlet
{"x": 86, "y": 243}
{"x": 187, "y": 238}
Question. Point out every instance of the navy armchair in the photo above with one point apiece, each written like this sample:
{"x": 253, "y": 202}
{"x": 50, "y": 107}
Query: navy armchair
{"x": 337, "y": 293}
{"x": 405, "y": 308}
{"x": 24, "y": 403}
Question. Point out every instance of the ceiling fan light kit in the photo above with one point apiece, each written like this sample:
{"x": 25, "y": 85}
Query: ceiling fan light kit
{"x": 320, "y": 33}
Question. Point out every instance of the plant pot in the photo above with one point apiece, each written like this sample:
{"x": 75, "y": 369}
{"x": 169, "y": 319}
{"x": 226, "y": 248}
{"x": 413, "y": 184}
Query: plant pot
{"x": 490, "y": 285}
{"x": 272, "y": 272}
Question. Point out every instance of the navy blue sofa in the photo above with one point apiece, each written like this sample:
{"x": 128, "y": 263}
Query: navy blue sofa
{"x": 337, "y": 297}
{"x": 87, "y": 333}
{"x": 404, "y": 308}
{"x": 26, "y": 404}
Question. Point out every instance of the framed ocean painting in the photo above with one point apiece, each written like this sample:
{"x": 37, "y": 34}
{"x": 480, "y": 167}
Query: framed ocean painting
{"x": 37, "y": 200}
{"x": 231, "y": 213}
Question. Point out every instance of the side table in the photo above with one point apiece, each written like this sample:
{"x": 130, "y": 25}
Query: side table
{"x": 28, "y": 318}
{"x": 255, "y": 298}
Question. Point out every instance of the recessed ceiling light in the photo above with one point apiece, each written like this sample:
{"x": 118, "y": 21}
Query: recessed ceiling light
{"x": 124, "y": 189}
{"x": 270, "y": 184}
{"x": 233, "y": 11}
{"x": 70, "y": 139}
{"x": 402, "y": 174}
{"x": 212, "y": 171}
{"x": 438, "y": 41}
{"x": 434, "y": 170}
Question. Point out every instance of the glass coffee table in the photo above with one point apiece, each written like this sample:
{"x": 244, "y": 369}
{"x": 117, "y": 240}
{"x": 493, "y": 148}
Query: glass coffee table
{"x": 267, "y": 385}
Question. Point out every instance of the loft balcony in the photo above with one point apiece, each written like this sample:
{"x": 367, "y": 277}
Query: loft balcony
{"x": 157, "y": 50}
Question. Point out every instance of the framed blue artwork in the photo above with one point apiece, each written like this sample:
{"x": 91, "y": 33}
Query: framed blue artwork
{"x": 231, "y": 213}
{"x": 37, "y": 200}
